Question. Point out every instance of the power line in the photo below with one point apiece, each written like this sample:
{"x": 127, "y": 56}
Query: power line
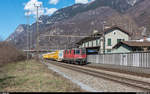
{"x": 71, "y": 36}
{"x": 67, "y": 36}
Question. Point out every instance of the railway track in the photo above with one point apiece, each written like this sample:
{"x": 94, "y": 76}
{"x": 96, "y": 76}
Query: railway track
{"x": 119, "y": 71}
{"x": 115, "y": 78}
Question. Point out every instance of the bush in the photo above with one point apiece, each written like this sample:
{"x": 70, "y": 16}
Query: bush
{"x": 9, "y": 53}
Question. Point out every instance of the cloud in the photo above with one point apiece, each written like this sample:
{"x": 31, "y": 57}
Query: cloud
{"x": 29, "y": 6}
{"x": 92, "y": 1}
{"x": 50, "y": 11}
{"x": 83, "y": 1}
{"x": 32, "y": 10}
{"x": 53, "y": 2}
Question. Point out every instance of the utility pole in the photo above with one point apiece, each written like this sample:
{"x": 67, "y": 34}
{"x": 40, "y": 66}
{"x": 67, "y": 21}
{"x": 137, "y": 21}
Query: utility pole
{"x": 28, "y": 40}
{"x": 37, "y": 28}
{"x": 104, "y": 37}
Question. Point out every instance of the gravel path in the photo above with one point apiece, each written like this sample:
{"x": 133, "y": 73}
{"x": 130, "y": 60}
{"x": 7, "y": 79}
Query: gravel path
{"x": 90, "y": 83}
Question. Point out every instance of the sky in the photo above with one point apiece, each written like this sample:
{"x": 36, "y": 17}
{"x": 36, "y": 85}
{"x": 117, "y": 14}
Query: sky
{"x": 14, "y": 12}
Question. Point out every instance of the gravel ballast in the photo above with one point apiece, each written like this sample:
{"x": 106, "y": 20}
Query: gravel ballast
{"x": 90, "y": 83}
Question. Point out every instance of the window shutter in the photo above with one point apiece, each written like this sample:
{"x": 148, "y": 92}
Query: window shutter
{"x": 119, "y": 40}
{"x": 96, "y": 42}
{"x": 109, "y": 42}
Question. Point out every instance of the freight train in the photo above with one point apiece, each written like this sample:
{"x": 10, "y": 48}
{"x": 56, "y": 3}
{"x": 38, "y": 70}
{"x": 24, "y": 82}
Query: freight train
{"x": 51, "y": 55}
{"x": 74, "y": 56}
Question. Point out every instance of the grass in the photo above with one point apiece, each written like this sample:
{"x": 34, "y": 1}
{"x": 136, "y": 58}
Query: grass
{"x": 33, "y": 76}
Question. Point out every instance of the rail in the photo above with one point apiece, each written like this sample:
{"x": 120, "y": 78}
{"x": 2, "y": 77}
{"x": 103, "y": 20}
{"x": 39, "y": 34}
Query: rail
{"x": 126, "y": 81}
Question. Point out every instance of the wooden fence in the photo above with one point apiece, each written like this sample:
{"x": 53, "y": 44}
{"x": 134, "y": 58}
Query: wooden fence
{"x": 130, "y": 59}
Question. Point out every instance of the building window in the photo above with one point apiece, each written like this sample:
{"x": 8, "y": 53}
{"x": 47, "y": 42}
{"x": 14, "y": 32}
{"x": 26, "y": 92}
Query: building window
{"x": 84, "y": 45}
{"x": 94, "y": 43}
{"x": 114, "y": 33}
{"x": 88, "y": 44}
{"x": 119, "y": 40}
{"x": 97, "y": 42}
{"x": 109, "y": 42}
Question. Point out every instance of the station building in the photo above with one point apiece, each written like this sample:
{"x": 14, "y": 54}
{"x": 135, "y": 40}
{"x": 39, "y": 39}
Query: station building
{"x": 104, "y": 42}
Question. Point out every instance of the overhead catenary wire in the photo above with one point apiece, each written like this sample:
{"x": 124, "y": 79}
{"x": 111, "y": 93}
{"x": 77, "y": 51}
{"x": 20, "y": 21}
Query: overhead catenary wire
{"x": 42, "y": 35}
{"x": 70, "y": 36}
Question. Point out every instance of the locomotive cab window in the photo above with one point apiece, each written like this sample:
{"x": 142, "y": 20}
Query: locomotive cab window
{"x": 77, "y": 51}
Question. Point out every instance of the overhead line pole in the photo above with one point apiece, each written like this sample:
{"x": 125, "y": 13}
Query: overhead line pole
{"x": 37, "y": 28}
{"x": 65, "y": 36}
{"x": 104, "y": 37}
{"x": 28, "y": 44}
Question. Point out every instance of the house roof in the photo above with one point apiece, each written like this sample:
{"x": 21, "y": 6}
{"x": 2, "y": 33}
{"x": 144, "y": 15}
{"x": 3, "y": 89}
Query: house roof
{"x": 91, "y": 37}
{"x": 116, "y": 27}
{"x": 133, "y": 44}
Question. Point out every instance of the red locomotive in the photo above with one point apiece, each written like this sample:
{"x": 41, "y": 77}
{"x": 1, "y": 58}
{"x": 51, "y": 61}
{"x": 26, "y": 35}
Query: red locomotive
{"x": 75, "y": 56}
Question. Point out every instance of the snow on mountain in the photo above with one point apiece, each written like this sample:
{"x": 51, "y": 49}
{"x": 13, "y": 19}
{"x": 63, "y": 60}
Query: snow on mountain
{"x": 132, "y": 2}
{"x": 19, "y": 29}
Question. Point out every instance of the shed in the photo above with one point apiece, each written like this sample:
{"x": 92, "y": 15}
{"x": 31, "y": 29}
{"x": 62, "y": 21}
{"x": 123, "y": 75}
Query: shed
{"x": 131, "y": 46}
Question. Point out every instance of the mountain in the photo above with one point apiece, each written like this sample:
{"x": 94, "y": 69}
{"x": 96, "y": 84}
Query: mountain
{"x": 78, "y": 19}
{"x": 19, "y": 35}
{"x": 141, "y": 15}
{"x": 68, "y": 12}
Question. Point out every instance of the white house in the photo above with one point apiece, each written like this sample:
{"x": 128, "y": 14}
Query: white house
{"x": 111, "y": 36}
